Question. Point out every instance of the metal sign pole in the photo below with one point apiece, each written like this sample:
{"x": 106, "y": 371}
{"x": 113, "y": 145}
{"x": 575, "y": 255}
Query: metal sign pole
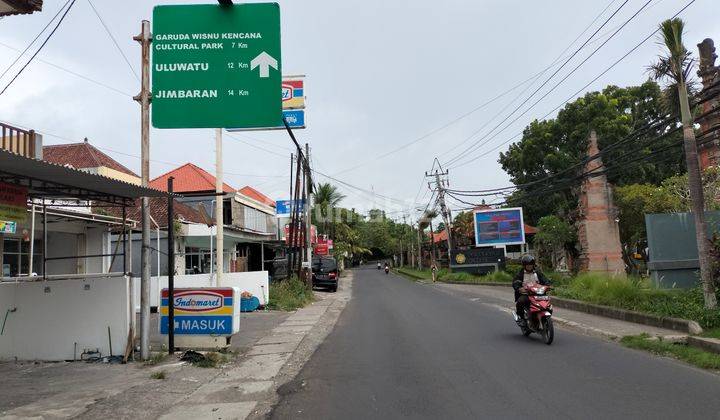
{"x": 144, "y": 98}
{"x": 219, "y": 223}
{"x": 171, "y": 268}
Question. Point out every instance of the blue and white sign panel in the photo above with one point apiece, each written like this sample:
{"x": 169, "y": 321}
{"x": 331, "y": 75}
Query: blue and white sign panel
{"x": 202, "y": 311}
{"x": 294, "y": 117}
{"x": 499, "y": 227}
{"x": 283, "y": 207}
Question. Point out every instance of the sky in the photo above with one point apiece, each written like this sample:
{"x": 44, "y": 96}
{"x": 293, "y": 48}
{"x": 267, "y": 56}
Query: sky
{"x": 391, "y": 85}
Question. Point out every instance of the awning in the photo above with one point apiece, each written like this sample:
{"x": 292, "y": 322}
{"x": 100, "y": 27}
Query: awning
{"x": 48, "y": 180}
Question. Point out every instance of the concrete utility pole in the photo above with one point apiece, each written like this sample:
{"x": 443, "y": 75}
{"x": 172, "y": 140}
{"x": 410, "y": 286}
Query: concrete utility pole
{"x": 419, "y": 254}
{"x": 145, "y": 38}
{"x": 440, "y": 184}
{"x": 308, "y": 194}
{"x": 219, "y": 224}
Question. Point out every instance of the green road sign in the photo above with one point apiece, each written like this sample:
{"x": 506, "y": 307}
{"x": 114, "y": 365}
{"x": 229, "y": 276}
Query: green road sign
{"x": 216, "y": 66}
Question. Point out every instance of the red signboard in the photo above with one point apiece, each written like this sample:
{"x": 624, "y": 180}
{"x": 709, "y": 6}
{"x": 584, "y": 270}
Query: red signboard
{"x": 13, "y": 203}
{"x": 322, "y": 249}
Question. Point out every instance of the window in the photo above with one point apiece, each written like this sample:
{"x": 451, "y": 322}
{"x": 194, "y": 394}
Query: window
{"x": 255, "y": 220}
{"x": 193, "y": 261}
{"x": 16, "y": 257}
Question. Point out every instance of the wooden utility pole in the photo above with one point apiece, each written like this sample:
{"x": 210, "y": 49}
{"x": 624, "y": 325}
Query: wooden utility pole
{"x": 308, "y": 194}
{"x": 145, "y": 38}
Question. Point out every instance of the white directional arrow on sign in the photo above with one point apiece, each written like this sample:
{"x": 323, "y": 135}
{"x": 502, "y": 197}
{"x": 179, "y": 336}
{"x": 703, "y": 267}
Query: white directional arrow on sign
{"x": 264, "y": 61}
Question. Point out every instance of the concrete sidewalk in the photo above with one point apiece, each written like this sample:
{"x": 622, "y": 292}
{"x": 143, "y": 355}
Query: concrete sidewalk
{"x": 503, "y": 299}
{"x": 269, "y": 351}
{"x": 251, "y": 387}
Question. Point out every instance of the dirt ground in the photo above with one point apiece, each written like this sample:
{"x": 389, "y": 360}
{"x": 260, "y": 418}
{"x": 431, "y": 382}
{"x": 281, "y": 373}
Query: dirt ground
{"x": 66, "y": 389}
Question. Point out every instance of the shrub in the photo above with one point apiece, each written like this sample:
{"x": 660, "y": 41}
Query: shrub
{"x": 512, "y": 268}
{"x": 290, "y": 294}
{"x": 638, "y": 295}
{"x": 161, "y": 374}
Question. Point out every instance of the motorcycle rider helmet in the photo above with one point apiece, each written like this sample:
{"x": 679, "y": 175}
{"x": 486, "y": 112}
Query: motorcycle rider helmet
{"x": 527, "y": 259}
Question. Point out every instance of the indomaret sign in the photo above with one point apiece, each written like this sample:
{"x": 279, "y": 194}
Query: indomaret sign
{"x": 216, "y": 66}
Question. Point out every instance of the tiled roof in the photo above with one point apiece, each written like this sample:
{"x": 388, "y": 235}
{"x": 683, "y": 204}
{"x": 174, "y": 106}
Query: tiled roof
{"x": 81, "y": 155}
{"x": 188, "y": 178}
{"x": 530, "y": 230}
{"x": 256, "y": 195}
{"x": 439, "y": 236}
{"x": 158, "y": 211}
{"x": 21, "y": 7}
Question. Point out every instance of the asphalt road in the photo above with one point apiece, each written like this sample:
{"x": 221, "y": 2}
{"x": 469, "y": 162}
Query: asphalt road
{"x": 407, "y": 350}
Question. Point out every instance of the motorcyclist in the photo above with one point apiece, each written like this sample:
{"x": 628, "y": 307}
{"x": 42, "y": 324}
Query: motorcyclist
{"x": 387, "y": 267}
{"x": 379, "y": 266}
{"x": 528, "y": 274}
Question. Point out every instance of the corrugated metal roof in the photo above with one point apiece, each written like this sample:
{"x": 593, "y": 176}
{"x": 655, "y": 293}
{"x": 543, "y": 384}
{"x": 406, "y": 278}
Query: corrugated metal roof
{"x": 46, "y": 179}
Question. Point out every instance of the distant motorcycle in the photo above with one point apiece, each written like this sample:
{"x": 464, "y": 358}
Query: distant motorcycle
{"x": 538, "y": 319}
{"x": 387, "y": 269}
{"x": 379, "y": 266}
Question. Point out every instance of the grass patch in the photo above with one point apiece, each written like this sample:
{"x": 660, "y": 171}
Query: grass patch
{"x": 290, "y": 294}
{"x": 414, "y": 274}
{"x": 211, "y": 360}
{"x": 712, "y": 333}
{"x": 444, "y": 274}
{"x": 161, "y": 374}
{"x": 692, "y": 355}
{"x": 156, "y": 358}
{"x": 638, "y": 295}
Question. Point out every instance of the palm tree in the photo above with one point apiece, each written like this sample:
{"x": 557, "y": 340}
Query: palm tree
{"x": 675, "y": 67}
{"x": 327, "y": 197}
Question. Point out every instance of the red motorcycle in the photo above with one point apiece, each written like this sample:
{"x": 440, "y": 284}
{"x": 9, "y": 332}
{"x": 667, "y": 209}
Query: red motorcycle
{"x": 538, "y": 319}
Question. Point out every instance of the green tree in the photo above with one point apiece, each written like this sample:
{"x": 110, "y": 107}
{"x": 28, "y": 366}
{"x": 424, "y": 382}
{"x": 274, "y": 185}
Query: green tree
{"x": 552, "y": 146}
{"x": 464, "y": 229}
{"x": 327, "y": 197}
{"x": 676, "y": 67}
{"x": 554, "y": 235}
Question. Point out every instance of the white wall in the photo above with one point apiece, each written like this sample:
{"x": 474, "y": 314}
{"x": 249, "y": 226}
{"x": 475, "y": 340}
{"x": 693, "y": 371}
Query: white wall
{"x": 95, "y": 243}
{"x": 255, "y": 282}
{"x": 62, "y": 244}
{"x": 45, "y": 326}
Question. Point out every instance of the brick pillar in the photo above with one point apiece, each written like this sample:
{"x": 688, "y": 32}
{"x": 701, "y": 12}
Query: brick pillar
{"x": 709, "y": 144}
{"x": 598, "y": 233}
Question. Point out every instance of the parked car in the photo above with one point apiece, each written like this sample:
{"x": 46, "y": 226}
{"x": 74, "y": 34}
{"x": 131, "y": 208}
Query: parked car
{"x": 325, "y": 273}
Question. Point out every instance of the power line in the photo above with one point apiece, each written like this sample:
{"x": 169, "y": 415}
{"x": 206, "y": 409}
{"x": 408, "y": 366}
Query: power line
{"x": 552, "y": 89}
{"x": 579, "y": 90}
{"x": 34, "y": 39}
{"x": 40, "y": 48}
{"x": 631, "y": 136}
{"x": 461, "y": 154}
{"x": 114, "y": 41}
{"x": 537, "y": 76}
{"x": 81, "y": 76}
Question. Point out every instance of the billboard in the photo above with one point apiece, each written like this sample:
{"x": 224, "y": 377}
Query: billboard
{"x": 283, "y": 207}
{"x": 202, "y": 311}
{"x": 293, "y": 106}
{"x": 293, "y": 92}
{"x": 499, "y": 227}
